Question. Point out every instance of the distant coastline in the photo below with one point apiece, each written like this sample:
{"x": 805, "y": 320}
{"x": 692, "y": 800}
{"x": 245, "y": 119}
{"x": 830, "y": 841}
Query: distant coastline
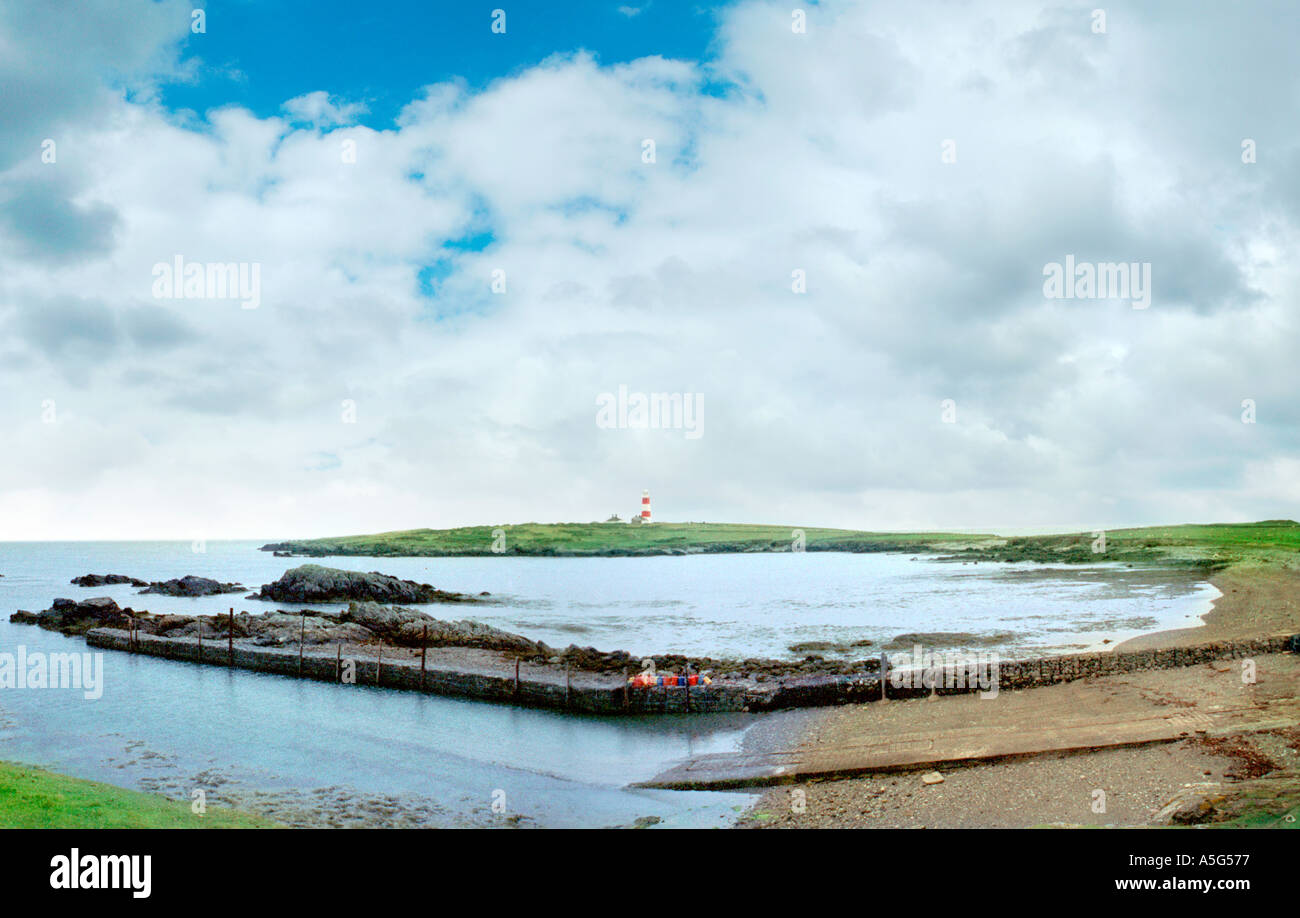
{"x": 1207, "y": 547}
{"x": 620, "y": 540}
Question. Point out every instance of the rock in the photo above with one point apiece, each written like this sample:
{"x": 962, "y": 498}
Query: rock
{"x": 932, "y": 778}
{"x": 1193, "y": 805}
{"x": 398, "y": 625}
{"x": 385, "y": 621}
{"x": 948, "y": 639}
{"x": 313, "y": 583}
{"x": 807, "y": 646}
{"x": 645, "y": 822}
{"x": 822, "y": 647}
{"x": 190, "y": 585}
{"x": 593, "y": 660}
{"x": 171, "y": 625}
{"x": 72, "y": 617}
{"x": 280, "y": 629}
{"x": 97, "y": 580}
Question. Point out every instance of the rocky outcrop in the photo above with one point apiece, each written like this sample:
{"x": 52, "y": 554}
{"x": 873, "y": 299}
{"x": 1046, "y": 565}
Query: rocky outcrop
{"x": 190, "y": 585}
{"x": 313, "y": 583}
{"x": 361, "y": 623}
{"x": 70, "y": 616}
{"x": 283, "y": 629}
{"x": 410, "y": 627}
{"x": 98, "y": 580}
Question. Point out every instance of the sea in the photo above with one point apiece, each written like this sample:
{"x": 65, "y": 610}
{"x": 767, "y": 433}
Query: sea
{"x": 315, "y": 754}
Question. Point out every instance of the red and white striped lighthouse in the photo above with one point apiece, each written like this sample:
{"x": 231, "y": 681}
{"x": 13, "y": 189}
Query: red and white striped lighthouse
{"x": 645, "y": 506}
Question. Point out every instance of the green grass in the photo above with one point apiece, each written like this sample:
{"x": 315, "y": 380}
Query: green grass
{"x": 617, "y": 539}
{"x": 1215, "y": 544}
{"x": 1269, "y": 802}
{"x": 31, "y": 798}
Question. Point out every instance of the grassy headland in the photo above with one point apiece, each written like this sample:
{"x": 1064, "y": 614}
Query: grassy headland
{"x": 31, "y": 798}
{"x": 619, "y": 540}
{"x": 1213, "y": 546}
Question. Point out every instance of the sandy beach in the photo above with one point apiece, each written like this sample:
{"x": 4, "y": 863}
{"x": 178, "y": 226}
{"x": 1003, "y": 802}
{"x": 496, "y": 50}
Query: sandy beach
{"x": 1252, "y": 776}
{"x": 1257, "y": 601}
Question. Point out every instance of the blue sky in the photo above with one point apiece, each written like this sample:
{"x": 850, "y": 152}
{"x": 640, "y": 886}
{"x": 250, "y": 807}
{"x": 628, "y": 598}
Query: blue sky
{"x": 258, "y": 54}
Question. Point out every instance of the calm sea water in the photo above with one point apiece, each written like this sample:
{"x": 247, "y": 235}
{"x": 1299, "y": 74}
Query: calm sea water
{"x": 322, "y": 754}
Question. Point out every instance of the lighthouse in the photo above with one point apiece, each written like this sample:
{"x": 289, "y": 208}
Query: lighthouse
{"x": 645, "y": 506}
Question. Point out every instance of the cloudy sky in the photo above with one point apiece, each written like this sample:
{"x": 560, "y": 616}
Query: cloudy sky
{"x": 920, "y": 164}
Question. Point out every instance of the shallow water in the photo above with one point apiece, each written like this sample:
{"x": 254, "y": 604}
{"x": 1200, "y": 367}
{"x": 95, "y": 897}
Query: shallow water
{"x": 313, "y": 753}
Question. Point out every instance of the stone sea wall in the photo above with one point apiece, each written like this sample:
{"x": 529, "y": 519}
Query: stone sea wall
{"x": 556, "y": 690}
{"x": 586, "y": 693}
{"x": 814, "y": 691}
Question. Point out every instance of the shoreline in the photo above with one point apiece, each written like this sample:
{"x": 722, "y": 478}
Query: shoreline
{"x": 1255, "y": 600}
{"x": 581, "y": 685}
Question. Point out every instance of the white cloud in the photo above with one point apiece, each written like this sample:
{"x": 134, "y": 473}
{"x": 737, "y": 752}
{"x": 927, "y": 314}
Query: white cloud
{"x": 198, "y": 419}
{"x": 319, "y": 110}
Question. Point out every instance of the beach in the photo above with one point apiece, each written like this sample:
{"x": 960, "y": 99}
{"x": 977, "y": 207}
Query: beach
{"x": 1240, "y": 776}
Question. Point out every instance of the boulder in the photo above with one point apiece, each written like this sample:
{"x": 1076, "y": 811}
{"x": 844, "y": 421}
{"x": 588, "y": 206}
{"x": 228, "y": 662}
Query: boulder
{"x": 313, "y": 583}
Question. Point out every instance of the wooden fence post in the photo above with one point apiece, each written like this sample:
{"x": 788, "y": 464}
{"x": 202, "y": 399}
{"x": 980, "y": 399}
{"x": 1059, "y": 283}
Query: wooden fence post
{"x": 424, "y": 640}
{"x": 379, "y": 663}
{"x": 230, "y": 640}
{"x": 516, "y": 677}
{"x": 884, "y": 675}
{"x": 302, "y": 634}
{"x": 199, "y": 622}
{"x": 338, "y": 663}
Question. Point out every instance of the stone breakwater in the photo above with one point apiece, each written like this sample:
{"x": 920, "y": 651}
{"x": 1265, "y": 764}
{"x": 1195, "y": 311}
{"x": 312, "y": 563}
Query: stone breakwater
{"x": 459, "y": 672}
{"x": 492, "y": 676}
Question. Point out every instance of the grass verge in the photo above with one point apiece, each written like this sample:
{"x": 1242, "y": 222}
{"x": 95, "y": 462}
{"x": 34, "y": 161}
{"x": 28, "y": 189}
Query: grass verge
{"x": 32, "y": 798}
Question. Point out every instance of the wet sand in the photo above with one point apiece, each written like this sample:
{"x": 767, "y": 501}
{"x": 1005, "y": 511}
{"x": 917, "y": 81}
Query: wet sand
{"x": 1257, "y": 601}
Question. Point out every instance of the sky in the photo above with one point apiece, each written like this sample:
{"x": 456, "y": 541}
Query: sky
{"x": 826, "y": 229}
